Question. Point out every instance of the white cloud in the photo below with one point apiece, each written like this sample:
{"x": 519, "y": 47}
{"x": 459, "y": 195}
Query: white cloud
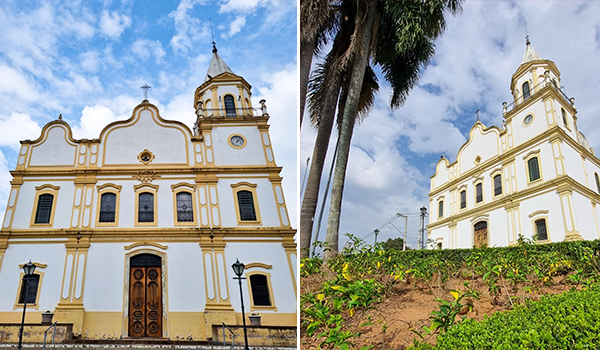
{"x": 16, "y": 84}
{"x": 188, "y": 30}
{"x": 17, "y": 127}
{"x": 93, "y": 120}
{"x": 145, "y": 48}
{"x": 235, "y": 27}
{"x": 239, "y": 5}
{"x": 112, "y": 24}
{"x": 89, "y": 61}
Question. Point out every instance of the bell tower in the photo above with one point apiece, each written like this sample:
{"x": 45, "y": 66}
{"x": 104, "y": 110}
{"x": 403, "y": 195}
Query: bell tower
{"x": 223, "y": 94}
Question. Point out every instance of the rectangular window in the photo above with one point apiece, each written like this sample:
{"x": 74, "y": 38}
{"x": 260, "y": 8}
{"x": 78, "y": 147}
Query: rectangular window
{"x": 108, "y": 203}
{"x": 260, "y": 290}
{"x": 44, "y": 209}
{"x": 542, "y": 233}
{"x": 185, "y": 211}
{"x": 534, "y": 169}
{"x": 526, "y": 92}
{"x": 463, "y": 199}
{"x": 497, "y": 185}
{"x": 246, "y": 204}
{"x": 146, "y": 207}
{"x": 564, "y": 117}
{"x": 29, "y": 287}
{"x": 478, "y": 193}
{"x": 441, "y": 209}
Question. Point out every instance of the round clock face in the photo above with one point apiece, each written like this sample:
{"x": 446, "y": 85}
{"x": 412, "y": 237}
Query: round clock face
{"x": 237, "y": 141}
{"x": 528, "y": 119}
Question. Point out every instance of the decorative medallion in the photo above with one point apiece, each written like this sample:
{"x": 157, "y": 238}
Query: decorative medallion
{"x": 152, "y": 274}
{"x": 153, "y": 327}
{"x": 137, "y": 327}
{"x": 137, "y": 314}
{"x": 138, "y": 274}
{"x": 145, "y": 156}
{"x": 153, "y": 315}
{"x": 146, "y": 176}
{"x": 528, "y": 119}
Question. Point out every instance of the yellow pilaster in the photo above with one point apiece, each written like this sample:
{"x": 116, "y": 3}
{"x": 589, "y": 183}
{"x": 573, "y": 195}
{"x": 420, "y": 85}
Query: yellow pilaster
{"x": 70, "y": 307}
{"x": 565, "y": 193}
{"x": 215, "y": 101}
{"x": 290, "y": 250}
{"x": 263, "y": 128}
{"x": 12, "y": 202}
{"x": 284, "y": 218}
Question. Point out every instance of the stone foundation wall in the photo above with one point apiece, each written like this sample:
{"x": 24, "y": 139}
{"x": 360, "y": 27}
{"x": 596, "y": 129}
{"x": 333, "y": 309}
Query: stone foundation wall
{"x": 257, "y": 335}
{"x": 34, "y": 333}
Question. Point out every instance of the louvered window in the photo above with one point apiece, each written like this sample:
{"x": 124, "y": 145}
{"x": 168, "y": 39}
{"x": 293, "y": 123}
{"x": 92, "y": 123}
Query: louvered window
{"x": 260, "y": 290}
{"x": 108, "y": 203}
{"x": 229, "y": 106}
{"x": 564, "y": 116}
{"x": 497, "y": 185}
{"x": 44, "y": 209}
{"x": 597, "y": 182}
{"x": 184, "y": 207}
{"x": 29, "y": 287}
{"x": 526, "y": 92}
{"x": 534, "y": 169}
{"x": 146, "y": 207}
{"x": 542, "y": 233}
{"x": 441, "y": 209}
{"x": 246, "y": 204}
{"x": 478, "y": 193}
{"x": 463, "y": 199}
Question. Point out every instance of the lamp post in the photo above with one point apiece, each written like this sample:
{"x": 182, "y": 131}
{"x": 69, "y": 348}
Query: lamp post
{"x": 422, "y": 233}
{"x": 28, "y": 269}
{"x": 238, "y": 269}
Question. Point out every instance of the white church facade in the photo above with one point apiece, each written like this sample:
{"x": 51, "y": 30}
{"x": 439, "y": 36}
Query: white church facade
{"x": 134, "y": 233}
{"x": 536, "y": 176}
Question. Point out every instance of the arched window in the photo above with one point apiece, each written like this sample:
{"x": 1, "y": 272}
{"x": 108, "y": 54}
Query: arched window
{"x": 541, "y": 231}
{"x": 526, "y": 92}
{"x": 229, "y": 106}
{"x": 260, "y": 290}
{"x": 44, "y": 209}
{"x": 479, "y": 193}
{"x": 108, "y": 203}
{"x": 146, "y": 207}
{"x": 480, "y": 233}
{"x": 597, "y": 182}
{"x": 564, "y": 116}
{"x": 441, "y": 209}
{"x": 185, "y": 212}
{"x": 534, "y": 169}
{"x": 497, "y": 185}
{"x": 246, "y": 204}
{"x": 463, "y": 199}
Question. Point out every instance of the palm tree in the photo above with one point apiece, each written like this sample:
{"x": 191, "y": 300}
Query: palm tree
{"x": 412, "y": 26}
{"x": 330, "y": 82}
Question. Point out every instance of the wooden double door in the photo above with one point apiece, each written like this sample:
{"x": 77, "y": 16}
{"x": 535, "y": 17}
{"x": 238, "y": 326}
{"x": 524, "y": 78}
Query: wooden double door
{"x": 145, "y": 297}
{"x": 481, "y": 233}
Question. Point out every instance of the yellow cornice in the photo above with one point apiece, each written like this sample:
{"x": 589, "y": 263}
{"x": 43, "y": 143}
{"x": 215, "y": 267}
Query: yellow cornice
{"x": 563, "y": 182}
{"x": 539, "y": 212}
{"x": 243, "y": 184}
{"x": 39, "y": 188}
{"x": 38, "y": 265}
{"x": 261, "y": 265}
{"x": 526, "y": 67}
{"x": 133, "y": 170}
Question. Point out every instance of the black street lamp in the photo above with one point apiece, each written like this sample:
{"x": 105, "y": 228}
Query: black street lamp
{"x": 28, "y": 269}
{"x": 238, "y": 269}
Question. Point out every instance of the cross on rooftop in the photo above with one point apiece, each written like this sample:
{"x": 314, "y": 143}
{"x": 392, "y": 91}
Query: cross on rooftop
{"x": 146, "y": 87}
{"x": 477, "y": 112}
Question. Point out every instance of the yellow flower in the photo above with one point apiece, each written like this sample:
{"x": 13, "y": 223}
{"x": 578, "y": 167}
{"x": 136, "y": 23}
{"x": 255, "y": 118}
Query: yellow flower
{"x": 378, "y": 264}
{"x": 301, "y": 264}
{"x": 454, "y": 294}
{"x": 320, "y": 296}
{"x": 351, "y": 312}
{"x": 335, "y": 287}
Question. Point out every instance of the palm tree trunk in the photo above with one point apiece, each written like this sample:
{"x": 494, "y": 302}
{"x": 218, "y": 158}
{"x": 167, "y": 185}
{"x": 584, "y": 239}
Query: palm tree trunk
{"x": 306, "y": 54}
{"x": 345, "y": 138}
{"x": 311, "y": 194}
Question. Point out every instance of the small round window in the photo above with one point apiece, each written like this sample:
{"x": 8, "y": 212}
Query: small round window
{"x": 528, "y": 119}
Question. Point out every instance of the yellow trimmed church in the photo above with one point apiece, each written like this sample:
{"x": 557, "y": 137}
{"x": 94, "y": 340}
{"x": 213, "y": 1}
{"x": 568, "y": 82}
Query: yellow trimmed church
{"x": 134, "y": 233}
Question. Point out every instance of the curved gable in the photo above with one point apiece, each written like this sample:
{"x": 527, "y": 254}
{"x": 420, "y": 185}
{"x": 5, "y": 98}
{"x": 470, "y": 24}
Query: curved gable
{"x": 483, "y": 143}
{"x": 55, "y": 146}
{"x": 167, "y": 141}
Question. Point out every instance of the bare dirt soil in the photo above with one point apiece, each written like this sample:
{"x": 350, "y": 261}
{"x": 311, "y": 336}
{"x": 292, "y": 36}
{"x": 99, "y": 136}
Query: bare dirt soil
{"x": 410, "y": 304}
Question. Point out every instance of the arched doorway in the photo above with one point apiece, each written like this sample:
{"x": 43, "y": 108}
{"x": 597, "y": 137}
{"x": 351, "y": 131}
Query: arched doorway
{"x": 480, "y": 233}
{"x": 145, "y": 296}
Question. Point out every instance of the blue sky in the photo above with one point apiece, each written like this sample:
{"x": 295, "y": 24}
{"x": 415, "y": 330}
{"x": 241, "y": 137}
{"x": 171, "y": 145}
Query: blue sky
{"x": 394, "y": 153}
{"x": 87, "y": 61}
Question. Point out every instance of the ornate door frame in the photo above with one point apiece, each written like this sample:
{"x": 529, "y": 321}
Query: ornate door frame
{"x": 126, "y": 285}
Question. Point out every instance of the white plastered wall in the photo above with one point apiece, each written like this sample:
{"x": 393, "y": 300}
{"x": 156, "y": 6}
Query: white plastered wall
{"x": 484, "y": 145}
{"x": 55, "y": 149}
{"x": 51, "y": 254}
{"x": 251, "y": 154}
{"x": 281, "y": 280}
{"x": 265, "y": 198}
{"x": 25, "y": 203}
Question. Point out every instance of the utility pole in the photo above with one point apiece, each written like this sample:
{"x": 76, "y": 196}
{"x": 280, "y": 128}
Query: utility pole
{"x": 422, "y": 242}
